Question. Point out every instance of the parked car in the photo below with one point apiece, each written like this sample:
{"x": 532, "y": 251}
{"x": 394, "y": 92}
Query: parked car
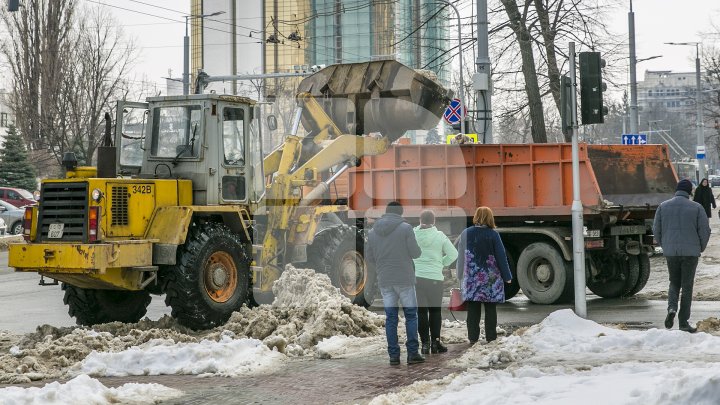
{"x": 17, "y": 196}
{"x": 13, "y": 217}
{"x": 2, "y": 227}
{"x": 714, "y": 180}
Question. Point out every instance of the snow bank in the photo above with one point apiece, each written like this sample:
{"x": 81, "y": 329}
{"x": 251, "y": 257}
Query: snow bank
{"x": 227, "y": 357}
{"x": 88, "y": 391}
{"x": 307, "y": 310}
{"x": 631, "y": 383}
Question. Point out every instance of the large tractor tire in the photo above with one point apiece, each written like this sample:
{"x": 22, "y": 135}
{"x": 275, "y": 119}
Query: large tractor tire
{"x": 211, "y": 278}
{"x": 92, "y": 307}
{"x": 513, "y": 288}
{"x": 338, "y": 251}
{"x": 544, "y": 276}
{"x": 625, "y": 275}
{"x": 644, "y": 269}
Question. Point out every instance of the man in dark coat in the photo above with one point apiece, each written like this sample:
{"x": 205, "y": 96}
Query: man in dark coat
{"x": 682, "y": 229}
{"x": 391, "y": 249}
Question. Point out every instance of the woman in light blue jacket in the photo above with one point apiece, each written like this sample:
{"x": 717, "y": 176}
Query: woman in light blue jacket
{"x": 437, "y": 253}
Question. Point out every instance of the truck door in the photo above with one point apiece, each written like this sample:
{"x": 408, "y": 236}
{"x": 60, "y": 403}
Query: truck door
{"x": 234, "y": 125}
{"x": 130, "y": 130}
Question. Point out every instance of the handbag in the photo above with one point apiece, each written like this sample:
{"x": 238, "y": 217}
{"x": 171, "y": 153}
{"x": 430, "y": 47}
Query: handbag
{"x": 456, "y": 301}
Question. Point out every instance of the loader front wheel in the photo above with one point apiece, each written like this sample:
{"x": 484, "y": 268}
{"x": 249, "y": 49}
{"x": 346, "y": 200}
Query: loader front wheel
{"x": 92, "y": 307}
{"x": 210, "y": 279}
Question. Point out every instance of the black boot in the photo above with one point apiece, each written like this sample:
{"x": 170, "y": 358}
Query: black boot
{"x": 688, "y": 328}
{"x": 415, "y": 358}
{"x": 670, "y": 319}
{"x": 438, "y": 347}
{"x": 425, "y": 349}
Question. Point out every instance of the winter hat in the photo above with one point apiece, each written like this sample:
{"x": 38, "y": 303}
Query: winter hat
{"x": 684, "y": 185}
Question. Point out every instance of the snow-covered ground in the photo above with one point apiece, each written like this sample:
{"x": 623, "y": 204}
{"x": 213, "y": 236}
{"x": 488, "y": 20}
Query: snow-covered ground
{"x": 569, "y": 360}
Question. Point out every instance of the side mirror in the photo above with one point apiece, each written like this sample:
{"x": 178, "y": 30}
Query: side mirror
{"x": 272, "y": 122}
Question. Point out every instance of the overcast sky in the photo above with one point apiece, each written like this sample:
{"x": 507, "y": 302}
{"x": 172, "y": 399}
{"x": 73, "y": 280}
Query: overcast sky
{"x": 160, "y": 34}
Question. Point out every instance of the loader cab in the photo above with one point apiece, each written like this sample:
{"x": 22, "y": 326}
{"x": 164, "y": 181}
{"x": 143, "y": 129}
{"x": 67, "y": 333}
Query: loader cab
{"x": 211, "y": 139}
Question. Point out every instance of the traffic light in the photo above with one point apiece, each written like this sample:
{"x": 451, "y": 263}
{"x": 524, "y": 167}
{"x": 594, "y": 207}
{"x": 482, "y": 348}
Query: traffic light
{"x": 591, "y": 88}
{"x": 13, "y": 5}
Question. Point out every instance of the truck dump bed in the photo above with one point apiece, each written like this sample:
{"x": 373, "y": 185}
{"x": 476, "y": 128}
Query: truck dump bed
{"x": 518, "y": 181}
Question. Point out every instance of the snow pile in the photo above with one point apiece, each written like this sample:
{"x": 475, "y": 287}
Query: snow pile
{"x": 350, "y": 346}
{"x": 307, "y": 309}
{"x": 567, "y": 360}
{"x": 227, "y": 357}
{"x": 92, "y": 392}
{"x": 620, "y": 384}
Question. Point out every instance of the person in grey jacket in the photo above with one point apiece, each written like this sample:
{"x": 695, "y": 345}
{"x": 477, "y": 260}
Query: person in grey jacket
{"x": 391, "y": 248}
{"x": 682, "y": 229}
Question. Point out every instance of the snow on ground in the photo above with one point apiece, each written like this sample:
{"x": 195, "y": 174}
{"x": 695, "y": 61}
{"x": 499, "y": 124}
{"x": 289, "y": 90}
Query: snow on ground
{"x": 567, "y": 360}
{"x": 307, "y": 309}
{"x": 88, "y": 391}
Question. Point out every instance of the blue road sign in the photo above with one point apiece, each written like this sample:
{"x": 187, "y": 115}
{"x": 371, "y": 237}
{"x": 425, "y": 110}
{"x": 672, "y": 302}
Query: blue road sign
{"x": 452, "y": 114}
{"x": 634, "y": 139}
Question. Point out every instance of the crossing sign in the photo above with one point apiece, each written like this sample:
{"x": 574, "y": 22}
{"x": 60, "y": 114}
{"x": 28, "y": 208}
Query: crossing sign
{"x": 452, "y": 114}
{"x": 634, "y": 139}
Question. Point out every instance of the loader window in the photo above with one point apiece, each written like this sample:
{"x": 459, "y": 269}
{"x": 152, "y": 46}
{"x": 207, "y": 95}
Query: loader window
{"x": 233, "y": 136}
{"x": 176, "y": 131}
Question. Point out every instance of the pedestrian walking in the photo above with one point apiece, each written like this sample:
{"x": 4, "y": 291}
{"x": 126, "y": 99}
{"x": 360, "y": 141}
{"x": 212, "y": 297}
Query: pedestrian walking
{"x": 391, "y": 249}
{"x": 483, "y": 268}
{"x": 682, "y": 229}
{"x": 703, "y": 195}
{"x": 437, "y": 253}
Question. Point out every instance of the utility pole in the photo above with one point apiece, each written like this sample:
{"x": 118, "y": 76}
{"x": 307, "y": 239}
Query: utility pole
{"x": 633, "y": 74}
{"x": 482, "y": 78}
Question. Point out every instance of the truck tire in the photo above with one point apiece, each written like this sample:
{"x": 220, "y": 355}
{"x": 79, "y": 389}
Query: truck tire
{"x": 211, "y": 278}
{"x": 338, "y": 251}
{"x": 91, "y": 307}
{"x": 513, "y": 288}
{"x": 644, "y": 269}
{"x": 544, "y": 276}
{"x": 626, "y": 275}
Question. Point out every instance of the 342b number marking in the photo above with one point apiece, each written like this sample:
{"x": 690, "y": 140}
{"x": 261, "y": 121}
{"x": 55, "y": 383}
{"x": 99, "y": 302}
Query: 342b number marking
{"x": 142, "y": 189}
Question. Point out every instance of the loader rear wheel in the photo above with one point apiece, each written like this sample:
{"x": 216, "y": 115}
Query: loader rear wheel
{"x": 626, "y": 273}
{"x": 544, "y": 276}
{"x": 92, "y": 307}
{"x": 338, "y": 252}
{"x": 210, "y": 279}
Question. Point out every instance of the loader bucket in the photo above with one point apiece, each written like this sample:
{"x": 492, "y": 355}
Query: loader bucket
{"x": 633, "y": 176}
{"x": 380, "y": 96}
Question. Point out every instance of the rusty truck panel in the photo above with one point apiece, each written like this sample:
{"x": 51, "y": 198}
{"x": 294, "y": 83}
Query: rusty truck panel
{"x": 517, "y": 181}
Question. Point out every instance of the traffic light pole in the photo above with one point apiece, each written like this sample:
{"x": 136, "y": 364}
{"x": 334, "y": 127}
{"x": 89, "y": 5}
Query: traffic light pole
{"x": 577, "y": 208}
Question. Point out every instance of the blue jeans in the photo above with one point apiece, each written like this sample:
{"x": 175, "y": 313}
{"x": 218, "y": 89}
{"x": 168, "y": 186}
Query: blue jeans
{"x": 405, "y": 296}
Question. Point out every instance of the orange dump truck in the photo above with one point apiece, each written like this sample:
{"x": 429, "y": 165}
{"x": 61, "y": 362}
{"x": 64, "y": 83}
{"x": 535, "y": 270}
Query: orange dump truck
{"x": 529, "y": 188}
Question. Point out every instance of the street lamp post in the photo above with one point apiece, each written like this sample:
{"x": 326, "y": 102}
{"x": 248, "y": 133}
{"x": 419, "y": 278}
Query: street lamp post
{"x": 698, "y": 104}
{"x": 460, "y": 52}
{"x": 186, "y": 50}
{"x": 633, "y": 76}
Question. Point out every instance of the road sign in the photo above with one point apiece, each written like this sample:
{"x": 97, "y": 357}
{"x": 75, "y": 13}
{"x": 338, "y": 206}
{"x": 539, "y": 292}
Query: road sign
{"x": 634, "y": 139}
{"x": 452, "y": 114}
{"x": 700, "y": 152}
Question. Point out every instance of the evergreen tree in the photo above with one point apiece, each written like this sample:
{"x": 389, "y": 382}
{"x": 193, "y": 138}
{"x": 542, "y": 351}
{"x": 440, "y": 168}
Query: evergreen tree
{"x": 15, "y": 168}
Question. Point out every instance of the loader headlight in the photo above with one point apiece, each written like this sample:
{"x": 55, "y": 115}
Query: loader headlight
{"x": 97, "y": 195}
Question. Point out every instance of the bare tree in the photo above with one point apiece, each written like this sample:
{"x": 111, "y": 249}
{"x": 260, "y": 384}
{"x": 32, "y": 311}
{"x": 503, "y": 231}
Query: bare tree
{"x": 39, "y": 50}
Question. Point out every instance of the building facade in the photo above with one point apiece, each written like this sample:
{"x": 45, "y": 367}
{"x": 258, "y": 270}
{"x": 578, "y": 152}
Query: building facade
{"x": 665, "y": 89}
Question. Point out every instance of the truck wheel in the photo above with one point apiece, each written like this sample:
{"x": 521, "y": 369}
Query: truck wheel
{"x": 91, "y": 307}
{"x": 513, "y": 288}
{"x": 338, "y": 252}
{"x": 544, "y": 276}
{"x": 644, "y": 269}
{"x": 210, "y": 279}
{"x": 626, "y": 272}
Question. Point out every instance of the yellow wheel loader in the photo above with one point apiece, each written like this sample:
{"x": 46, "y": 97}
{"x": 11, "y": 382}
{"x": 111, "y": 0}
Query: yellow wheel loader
{"x": 185, "y": 202}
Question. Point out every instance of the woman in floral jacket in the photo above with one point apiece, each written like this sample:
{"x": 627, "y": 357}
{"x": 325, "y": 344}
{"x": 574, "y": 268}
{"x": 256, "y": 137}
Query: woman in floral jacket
{"x": 483, "y": 268}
